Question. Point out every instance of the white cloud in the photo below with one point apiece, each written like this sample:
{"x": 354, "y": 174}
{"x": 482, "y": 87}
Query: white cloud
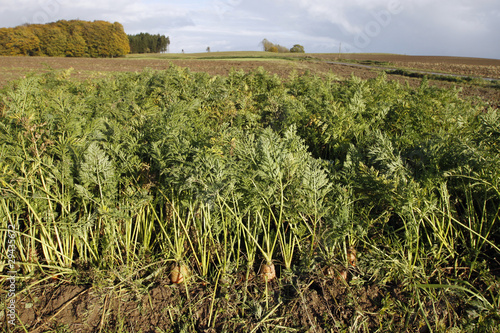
{"x": 6, "y": 5}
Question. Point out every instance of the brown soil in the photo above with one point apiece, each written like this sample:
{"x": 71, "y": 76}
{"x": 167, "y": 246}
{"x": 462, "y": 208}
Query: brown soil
{"x": 15, "y": 67}
{"x": 456, "y": 65}
{"x": 314, "y": 304}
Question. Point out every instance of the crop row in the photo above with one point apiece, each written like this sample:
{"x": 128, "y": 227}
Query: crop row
{"x": 248, "y": 172}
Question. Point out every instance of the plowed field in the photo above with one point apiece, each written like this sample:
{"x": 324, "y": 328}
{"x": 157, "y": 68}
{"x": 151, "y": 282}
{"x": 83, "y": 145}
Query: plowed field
{"x": 221, "y": 63}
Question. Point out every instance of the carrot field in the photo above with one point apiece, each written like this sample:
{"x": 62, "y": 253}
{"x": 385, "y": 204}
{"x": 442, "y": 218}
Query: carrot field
{"x": 179, "y": 201}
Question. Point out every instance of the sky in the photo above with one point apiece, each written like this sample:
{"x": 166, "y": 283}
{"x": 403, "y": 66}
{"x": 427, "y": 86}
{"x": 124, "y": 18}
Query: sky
{"x": 468, "y": 28}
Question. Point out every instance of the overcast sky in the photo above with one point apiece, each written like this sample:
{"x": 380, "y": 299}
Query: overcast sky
{"x": 416, "y": 27}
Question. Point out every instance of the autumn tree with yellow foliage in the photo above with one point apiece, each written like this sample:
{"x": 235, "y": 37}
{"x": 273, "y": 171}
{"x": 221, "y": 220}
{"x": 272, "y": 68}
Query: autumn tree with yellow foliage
{"x": 73, "y": 38}
{"x": 276, "y": 48}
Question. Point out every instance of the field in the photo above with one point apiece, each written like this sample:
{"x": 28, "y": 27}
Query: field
{"x": 220, "y": 63}
{"x": 250, "y": 192}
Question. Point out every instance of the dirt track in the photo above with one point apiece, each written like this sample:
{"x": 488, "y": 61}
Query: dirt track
{"x": 456, "y": 65}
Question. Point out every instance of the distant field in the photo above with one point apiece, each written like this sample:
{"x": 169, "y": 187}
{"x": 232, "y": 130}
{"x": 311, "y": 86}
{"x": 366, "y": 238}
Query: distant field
{"x": 12, "y": 67}
{"x": 220, "y": 55}
{"x": 456, "y": 65}
{"x": 221, "y": 63}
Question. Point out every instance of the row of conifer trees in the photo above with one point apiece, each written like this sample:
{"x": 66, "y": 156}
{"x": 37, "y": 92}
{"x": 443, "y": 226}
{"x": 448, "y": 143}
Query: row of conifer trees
{"x": 147, "y": 43}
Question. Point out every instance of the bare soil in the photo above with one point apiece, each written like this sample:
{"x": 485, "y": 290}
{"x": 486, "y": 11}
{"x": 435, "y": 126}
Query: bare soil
{"x": 456, "y": 65}
{"x": 12, "y": 68}
{"x": 317, "y": 303}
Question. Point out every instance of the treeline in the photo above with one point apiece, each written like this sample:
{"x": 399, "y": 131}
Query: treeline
{"x": 73, "y": 38}
{"x": 271, "y": 47}
{"x": 147, "y": 43}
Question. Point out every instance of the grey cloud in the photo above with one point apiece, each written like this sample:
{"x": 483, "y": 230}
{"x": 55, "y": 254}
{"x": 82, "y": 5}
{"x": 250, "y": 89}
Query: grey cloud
{"x": 444, "y": 27}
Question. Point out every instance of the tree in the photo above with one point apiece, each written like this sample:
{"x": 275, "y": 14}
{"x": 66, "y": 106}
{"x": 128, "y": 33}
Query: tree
{"x": 76, "y": 46}
{"x": 66, "y": 38}
{"x": 297, "y": 48}
{"x": 147, "y": 43}
{"x": 282, "y": 49}
{"x": 208, "y": 48}
{"x": 18, "y": 41}
{"x": 53, "y": 40}
{"x": 163, "y": 43}
{"x": 119, "y": 42}
{"x": 97, "y": 38}
{"x": 266, "y": 45}
{"x": 271, "y": 47}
